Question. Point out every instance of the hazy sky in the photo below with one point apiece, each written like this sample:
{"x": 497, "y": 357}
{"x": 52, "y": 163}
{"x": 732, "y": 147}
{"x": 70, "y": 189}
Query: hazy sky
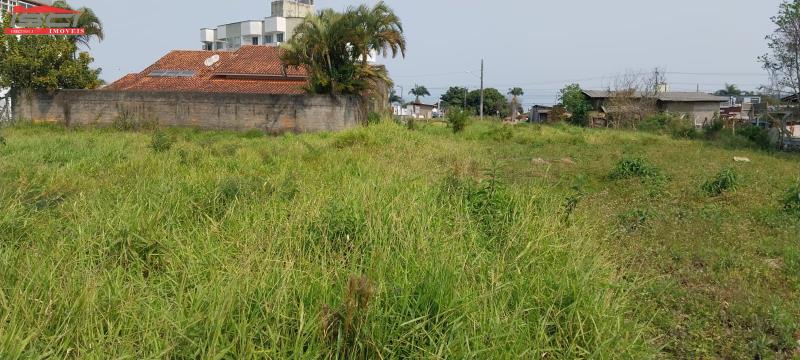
{"x": 536, "y": 45}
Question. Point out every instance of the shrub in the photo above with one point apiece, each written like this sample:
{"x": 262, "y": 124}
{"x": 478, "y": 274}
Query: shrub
{"x": 161, "y": 141}
{"x": 713, "y": 130}
{"x": 638, "y": 167}
{"x": 2, "y": 140}
{"x": 791, "y": 201}
{"x": 373, "y": 118}
{"x": 666, "y": 123}
{"x": 757, "y": 135}
{"x": 725, "y": 180}
{"x": 457, "y": 120}
{"x": 411, "y": 124}
{"x": 634, "y": 167}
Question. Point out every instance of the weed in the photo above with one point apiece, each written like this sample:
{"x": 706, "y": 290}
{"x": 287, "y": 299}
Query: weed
{"x": 373, "y": 118}
{"x": 713, "y": 130}
{"x": 253, "y": 134}
{"x": 161, "y": 141}
{"x": 634, "y": 220}
{"x": 634, "y": 167}
{"x": 340, "y": 228}
{"x": 757, "y": 135}
{"x": 343, "y": 328}
{"x": 457, "y": 120}
{"x": 791, "y": 201}
{"x": 725, "y": 180}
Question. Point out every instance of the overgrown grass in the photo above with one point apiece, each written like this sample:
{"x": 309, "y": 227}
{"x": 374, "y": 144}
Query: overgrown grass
{"x": 381, "y": 242}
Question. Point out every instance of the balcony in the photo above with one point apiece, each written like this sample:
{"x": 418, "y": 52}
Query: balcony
{"x": 207, "y": 35}
{"x": 274, "y": 25}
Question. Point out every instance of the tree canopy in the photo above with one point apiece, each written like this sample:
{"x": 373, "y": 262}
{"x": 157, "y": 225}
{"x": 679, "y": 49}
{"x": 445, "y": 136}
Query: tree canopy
{"x": 333, "y": 48}
{"x": 44, "y": 63}
{"x": 729, "y": 90}
{"x": 573, "y": 100}
{"x": 454, "y": 97}
{"x": 88, "y": 21}
{"x": 419, "y": 91}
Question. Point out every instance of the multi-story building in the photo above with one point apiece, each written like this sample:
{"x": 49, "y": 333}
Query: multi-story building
{"x": 7, "y": 5}
{"x": 272, "y": 31}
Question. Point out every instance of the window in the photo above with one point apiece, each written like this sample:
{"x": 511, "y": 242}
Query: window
{"x": 255, "y": 40}
{"x": 279, "y": 37}
{"x": 268, "y": 39}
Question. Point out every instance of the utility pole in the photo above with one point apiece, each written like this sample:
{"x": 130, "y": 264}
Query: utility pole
{"x": 481, "y": 89}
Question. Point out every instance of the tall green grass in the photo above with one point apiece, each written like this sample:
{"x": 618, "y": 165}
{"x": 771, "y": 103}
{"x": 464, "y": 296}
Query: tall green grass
{"x": 377, "y": 242}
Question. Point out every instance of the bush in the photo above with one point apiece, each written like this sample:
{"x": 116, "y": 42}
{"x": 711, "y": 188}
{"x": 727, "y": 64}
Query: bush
{"x": 757, "y": 135}
{"x": 666, "y": 123}
{"x": 651, "y": 176}
{"x": 373, "y": 118}
{"x": 791, "y": 202}
{"x": 161, "y": 141}
{"x": 634, "y": 167}
{"x": 725, "y": 180}
{"x": 713, "y": 130}
{"x": 457, "y": 120}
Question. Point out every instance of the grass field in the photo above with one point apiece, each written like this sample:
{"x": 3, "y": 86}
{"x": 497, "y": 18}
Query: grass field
{"x": 380, "y": 242}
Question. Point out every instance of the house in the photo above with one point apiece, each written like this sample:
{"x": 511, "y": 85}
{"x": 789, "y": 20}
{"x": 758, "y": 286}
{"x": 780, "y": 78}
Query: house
{"x": 249, "y": 70}
{"x": 700, "y": 107}
{"x": 419, "y": 110}
{"x": 539, "y": 113}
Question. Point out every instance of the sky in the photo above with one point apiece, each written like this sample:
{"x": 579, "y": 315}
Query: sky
{"x": 537, "y": 45}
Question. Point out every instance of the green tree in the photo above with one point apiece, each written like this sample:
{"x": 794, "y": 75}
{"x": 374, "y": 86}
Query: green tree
{"x": 784, "y": 52}
{"x": 419, "y": 91}
{"x": 394, "y": 98}
{"x": 378, "y": 30}
{"x": 454, "y": 97}
{"x": 494, "y": 102}
{"x": 44, "y": 63}
{"x": 333, "y": 53}
{"x": 572, "y": 98}
{"x": 729, "y": 90}
{"x": 88, "y": 21}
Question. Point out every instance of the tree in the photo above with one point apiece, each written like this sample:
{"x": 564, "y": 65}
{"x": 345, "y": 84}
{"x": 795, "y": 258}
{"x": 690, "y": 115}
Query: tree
{"x": 43, "y": 63}
{"x": 729, "y": 90}
{"x": 334, "y": 54}
{"x": 377, "y": 29}
{"x": 88, "y": 21}
{"x": 394, "y": 98}
{"x": 455, "y": 97}
{"x": 419, "y": 91}
{"x": 783, "y": 60}
{"x": 515, "y": 93}
{"x": 575, "y": 102}
{"x": 494, "y": 102}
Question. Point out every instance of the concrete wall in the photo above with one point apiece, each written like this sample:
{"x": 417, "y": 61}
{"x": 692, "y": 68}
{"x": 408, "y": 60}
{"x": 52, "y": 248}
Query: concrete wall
{"x": 701, "y": 112}
{"x": 270, "y": 113}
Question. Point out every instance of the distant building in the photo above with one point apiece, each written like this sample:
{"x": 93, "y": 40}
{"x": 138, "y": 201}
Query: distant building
{"x": 7, "y": 5}
{"x": 249, "y": 70}
{"x": 539, "y": 113}
{"x": 272, "y": 31}
{"x": 700, "y": 107}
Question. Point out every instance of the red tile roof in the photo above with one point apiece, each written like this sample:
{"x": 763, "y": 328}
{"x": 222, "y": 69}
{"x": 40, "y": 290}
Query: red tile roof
{"x": 251, "y": 69}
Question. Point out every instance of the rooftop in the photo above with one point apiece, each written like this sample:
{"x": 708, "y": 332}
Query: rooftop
{"x": 672, "y": 96}
{"x": 251, "y": 69}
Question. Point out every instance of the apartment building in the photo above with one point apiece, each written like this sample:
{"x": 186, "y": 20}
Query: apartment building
{"x": 271, "y": 31}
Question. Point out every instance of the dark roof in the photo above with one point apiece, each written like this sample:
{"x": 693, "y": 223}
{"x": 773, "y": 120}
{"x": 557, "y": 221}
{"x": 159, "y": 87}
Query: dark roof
{"x": 251, "y": 69}
{"x": 672, "y": 96}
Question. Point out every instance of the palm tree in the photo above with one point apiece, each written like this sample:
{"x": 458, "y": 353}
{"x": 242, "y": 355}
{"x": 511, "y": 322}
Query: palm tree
{"x": 419, "y": 91}
{"x": 333, "y": 53}
{"x": 515, "y": 92}
{"x": 87, "y": 21}
{"x": 377, "y": 29}
{"x": 729, "y": 90}
{"x": 394, "y": 98}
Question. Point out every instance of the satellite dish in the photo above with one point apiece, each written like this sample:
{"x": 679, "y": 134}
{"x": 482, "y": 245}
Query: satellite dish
{"x": 212, "y": 60}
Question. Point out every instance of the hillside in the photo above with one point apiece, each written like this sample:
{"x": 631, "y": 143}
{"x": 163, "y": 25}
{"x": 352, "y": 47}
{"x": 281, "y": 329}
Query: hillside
{"x": 525, "y": 241}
